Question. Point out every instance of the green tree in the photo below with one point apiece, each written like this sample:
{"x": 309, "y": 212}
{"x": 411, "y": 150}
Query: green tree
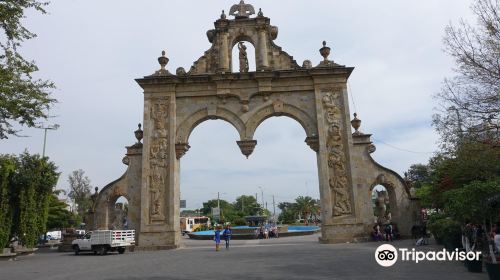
{"x": 247, "y": 204}
{"x": 79, "y": 191}
{"x": 31, "y": 186}
{"x": 288, "y": 213}
{"x": 306, "y": 206}
{"x": 224, "y": 205}
{"x": 59, "y": 215}
{"x": 7, "y": 168}
{"x": 470, "y": 161}
{"x": 23, "y": 99}
{"x": 418, "y": 175}
{"x": 470, "y": 203}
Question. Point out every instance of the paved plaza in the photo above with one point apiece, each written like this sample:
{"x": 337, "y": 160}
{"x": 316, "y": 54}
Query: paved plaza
{"x": 284, "y": 258}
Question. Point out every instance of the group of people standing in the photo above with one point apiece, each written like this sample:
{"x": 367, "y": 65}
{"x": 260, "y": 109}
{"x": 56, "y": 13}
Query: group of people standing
{"x": 387, "y": 232}
{"x": 266, "y": 232}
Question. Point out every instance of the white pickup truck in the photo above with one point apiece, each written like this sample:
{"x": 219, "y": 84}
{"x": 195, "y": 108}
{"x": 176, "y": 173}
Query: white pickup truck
{"x": 104, "y": 241}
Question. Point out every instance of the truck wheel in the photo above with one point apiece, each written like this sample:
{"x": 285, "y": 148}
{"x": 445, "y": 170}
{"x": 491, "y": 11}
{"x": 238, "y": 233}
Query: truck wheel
{"x": 121, "y": 250}
{"x": 103, "y": 250}
{"x": 76, "y": 249}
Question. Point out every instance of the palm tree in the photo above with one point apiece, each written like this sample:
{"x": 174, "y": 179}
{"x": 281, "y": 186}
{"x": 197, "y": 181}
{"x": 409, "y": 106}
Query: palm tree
{"x": 315, "y": 210}
{"x": 305, "y": 206}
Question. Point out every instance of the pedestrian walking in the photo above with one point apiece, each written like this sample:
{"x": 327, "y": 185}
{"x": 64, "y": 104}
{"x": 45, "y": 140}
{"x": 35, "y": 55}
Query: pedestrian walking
{"x": 217, "y": 238}
{"x": 227, "y": 235}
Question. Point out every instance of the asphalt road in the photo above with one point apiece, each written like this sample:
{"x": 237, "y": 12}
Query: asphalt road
{"x": 284, "y": 258}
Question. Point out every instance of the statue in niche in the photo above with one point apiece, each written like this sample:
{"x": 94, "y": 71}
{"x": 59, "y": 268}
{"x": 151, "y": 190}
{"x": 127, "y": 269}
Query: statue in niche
{"x": 382, "y": 212}
{"x": 243, "y": 57}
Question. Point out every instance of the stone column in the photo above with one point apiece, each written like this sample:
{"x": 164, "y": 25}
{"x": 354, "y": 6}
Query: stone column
{"x": 262, "y": 49}
{"x": 160, "y": 191}
{"x": 339, "y": 220}
{"x": 133, "y": 181}
{"x": 223, "y": 52}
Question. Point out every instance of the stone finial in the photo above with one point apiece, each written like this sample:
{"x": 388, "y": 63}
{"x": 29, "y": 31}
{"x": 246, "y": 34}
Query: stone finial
{"x": 139, "y": 134}
{"x": 260, "y": 13}
{"x": 356, "y": 123}
{"x": 325, "y": 52}
{"x": 247, "y": 146}
{"x": 163, "y": 60}
{"x": 241, "y": 10}
{"x": 223, "y": 15}
{"x": 325, "y": 63}
{"x": 93, "y": 198}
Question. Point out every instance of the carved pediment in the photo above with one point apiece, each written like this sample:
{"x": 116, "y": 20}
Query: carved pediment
{"x": 228, "y": 32}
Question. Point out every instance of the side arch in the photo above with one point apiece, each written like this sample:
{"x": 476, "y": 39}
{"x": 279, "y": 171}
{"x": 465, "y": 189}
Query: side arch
{"x": 280, "y": 109}
{"x": 106, "y": 200}
{"x": 187, "y": 126}
{"x": 402, "y": 209}
{"x": 393, "y": 192}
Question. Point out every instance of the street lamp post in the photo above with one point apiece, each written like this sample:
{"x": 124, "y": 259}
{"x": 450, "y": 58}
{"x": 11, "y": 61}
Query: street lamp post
{"x": 51, "y": 127}
{"x": 262, "y": 197}
{"x": 218, "y": 203}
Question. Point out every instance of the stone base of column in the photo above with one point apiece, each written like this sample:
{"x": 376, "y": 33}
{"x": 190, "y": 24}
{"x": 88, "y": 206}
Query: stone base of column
{"x": 344, "y": 233}
{"x": 158, "y": 240}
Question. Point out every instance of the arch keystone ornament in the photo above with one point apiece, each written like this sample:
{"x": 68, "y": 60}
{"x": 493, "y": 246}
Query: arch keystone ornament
{"x": 315, "y": 97}
{"x": 247, "y": 146}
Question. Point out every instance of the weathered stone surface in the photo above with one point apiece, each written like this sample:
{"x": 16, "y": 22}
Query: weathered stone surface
{"x": 316, "y": 97}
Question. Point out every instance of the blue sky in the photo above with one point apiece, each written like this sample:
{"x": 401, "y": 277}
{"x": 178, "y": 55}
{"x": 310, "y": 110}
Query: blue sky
{"x": 93, "y": 50}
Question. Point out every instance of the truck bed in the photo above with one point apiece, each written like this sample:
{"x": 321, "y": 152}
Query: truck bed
{"x": 114, "y": 238}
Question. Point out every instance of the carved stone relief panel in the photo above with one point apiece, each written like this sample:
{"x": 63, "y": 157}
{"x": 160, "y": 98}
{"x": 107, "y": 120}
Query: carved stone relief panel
{"x": 338, "y": 180}
{"x": 158, "y": 158}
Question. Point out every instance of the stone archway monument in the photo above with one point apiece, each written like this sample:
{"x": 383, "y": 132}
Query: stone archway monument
{"x": 315, "y": 96}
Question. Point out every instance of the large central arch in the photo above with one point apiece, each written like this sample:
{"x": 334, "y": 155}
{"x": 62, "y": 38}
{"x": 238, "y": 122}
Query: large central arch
{"x": 316, "y": 97}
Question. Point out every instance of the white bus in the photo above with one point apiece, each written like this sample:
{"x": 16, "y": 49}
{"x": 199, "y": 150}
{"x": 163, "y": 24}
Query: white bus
{"x": 190, "y": 224}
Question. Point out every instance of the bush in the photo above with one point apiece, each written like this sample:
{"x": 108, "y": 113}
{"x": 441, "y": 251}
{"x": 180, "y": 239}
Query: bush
{"x": 203, "y": 228}
{"x": 239, "y": 222}
{"x": 446, "y": 231}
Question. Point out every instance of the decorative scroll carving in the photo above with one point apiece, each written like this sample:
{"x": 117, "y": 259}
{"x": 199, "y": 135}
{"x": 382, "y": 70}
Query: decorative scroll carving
{"x": 338, "y": 180}
{"x": 371, "y": 148}
{"x": 158, "y": 158}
